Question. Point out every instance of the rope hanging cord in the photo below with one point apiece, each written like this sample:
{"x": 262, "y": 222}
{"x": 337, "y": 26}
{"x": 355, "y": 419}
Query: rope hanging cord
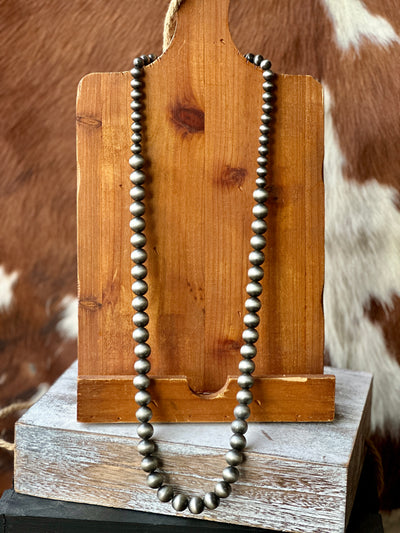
{"x": 170, "y": 22}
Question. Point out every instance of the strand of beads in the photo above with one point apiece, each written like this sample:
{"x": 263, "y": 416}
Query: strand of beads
{"x": 147, "y": 446}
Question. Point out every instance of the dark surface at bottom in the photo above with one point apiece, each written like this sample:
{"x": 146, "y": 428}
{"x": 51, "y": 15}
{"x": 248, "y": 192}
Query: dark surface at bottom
{"x": 28, "y": 514}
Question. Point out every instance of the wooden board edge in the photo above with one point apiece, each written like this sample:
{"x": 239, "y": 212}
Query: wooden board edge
{"x": 276, "y": 399}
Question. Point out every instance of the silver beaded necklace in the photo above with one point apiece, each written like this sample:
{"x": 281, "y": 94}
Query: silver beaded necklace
{"x": 145, "y": 430}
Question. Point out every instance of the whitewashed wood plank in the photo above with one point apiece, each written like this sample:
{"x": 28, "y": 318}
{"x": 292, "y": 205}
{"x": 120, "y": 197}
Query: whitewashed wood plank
{"x": 295, "y": 477}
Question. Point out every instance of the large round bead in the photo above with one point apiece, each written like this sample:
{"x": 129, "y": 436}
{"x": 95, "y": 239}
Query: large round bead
{"x": 138, "y": 177}
{"x": 260, "y": 211}
{"x": 142, "y": 397}
{"x": 245, "y": 381}
{"x": 138, "y": 240}
{"x": 146, "y": 447}
{"x": 139, "y": 271}
{"x": 230, "y": 474}
{"x": 242, "y": 412}
{"x": 149, "y": 463}
{"x": 234, "y": 457}
{"x": 256, "y": 273}
{"x": 141, "y": 382}
{"x": 252, "y": 305}
{"x": 180, "y": 502}
{"x": 144, "y": 414}
{"x": 137, "y": 209}
{"x": 253, "y": 288}
{"x": 138, "y": 62}
{"x": 165, "y": 493}
{"x": 196, "y": 505}
{"x": 140, "y": 287}
{"x": 142, "y": 366}
{"x": 258, "y": 226}
{"x": 155, "y": 480}
{"x": 137, "y": 192}
{"x": 259, "y": 195}
{"x": 239, "y": 426}
{"x": 140, "y": 335}
{"x": 140, "y": 319}
{"x": 237, "y": 442}
{"x": 211, "y": 500}
{"x": 140, "y": 303}
{"x": 250, "y": 335}
{"x": 145, "y": 430}
{"x": 142, "y": 350}
{"x": 247, "y": 366}
{"x": 222, "y": 489}
{"x": 251, "y": 320}
{"x": 243, "y": 397}
{"x": 256, "y": 257}
{"x": 136, "y": 161}
{"x": 258, "y": 242}
{"x": 248, "y": 351}
{"x": 139, "y": 256}
{"x": 137, "y": 224}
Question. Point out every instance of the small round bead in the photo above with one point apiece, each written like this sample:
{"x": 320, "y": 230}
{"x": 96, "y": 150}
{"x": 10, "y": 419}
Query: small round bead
{"x": 268, "y": 86}
{"x": 242, "y": 412}
{"x": 247, "y": 366}
{"x": 222, "y": 489}
{"x": 268, "y": 75}
{"x": 259, "y": 195}
{"x": 211, "y": 500}
{"x": 264, "y": 129}
{"x": 137, "y": 177}
{"x": 145, "y": 430}
{"x": 262, "y": 161}
{"x": 180, "y": 502}
{"x": 155, "y": 480}
{"x": 138, "y": 62}
{"x": 142, "y": 350}
{"x": 258, "y": 59}
{"x": 135, "y": 105}
{"x": 251, "y": 320}
{"x": 234, "y": 457}
{"x": 259, "y": 210}
{"x": 267, "y": 97}
{"x": 137, "y": 117}
{"x": 141, "y": 382}
{"x": 250, "y": 57}
{"x": 255, "y": 273}
{"x": 266, "y": 119}
{"x": 248, "y": 351}
{"x": 196, "y": 505}
{"x": 140, "y": 287}
{"x": 136, "y": 161}
{"x": 136, "y": 84}
{"x": 144, "y": 414}
{"x": 230, "y": 474}
{"x": 254, "y": 288}
{"x": 138, "y": 240}
{"x": 136, "y": 73}
{"x": 146, "y": 59}
{"x": 258, "y": 242}
{"x": 258, "y": 226}
{"x": 265, "y": 64}
{"x": 239, "y": 426}
{"x": 137, "y": 193}
{"x": 142, "y": 397}
{"x": 267, "y": 108}
{"x": 238, "y": 442}
{"x": 140, "y": 335}
{"x": 263, "y": 140}
{"x": 139, "y": 271}
{"x": 245, "y": 381}
{"x": 261, "y": 182}
{"x": 152, "y": 58}
{"x": 139, "y": 303}
{"x": 263, "y": 150}
{"x": 250, "y": 335}
{"x": 165, "y": 493}
{"x": 137, "y": 224}
{"x": 142, "y": 366}
{"x": 136, "y": 148}
{"x": 137, "y": 209}
{"x": 253, "y": 305}
{"x": 139, "y": 256}
{"x": 257, "y": 257}
{"x": 149, "y": 463}
{"x": 243, "y": 397}
{"x": 146, "y": 447}
{"x": 137, "y": 96}
{"x": 140, "y": 319}
{"x": 261, "y": 172}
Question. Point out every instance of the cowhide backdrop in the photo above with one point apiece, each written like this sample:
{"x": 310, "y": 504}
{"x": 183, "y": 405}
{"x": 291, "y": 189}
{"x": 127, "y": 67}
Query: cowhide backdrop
{"x": 352, "y": 46}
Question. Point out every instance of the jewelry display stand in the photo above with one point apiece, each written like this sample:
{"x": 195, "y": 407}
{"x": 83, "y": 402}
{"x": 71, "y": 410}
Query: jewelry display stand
{"x": 202, "y": 105}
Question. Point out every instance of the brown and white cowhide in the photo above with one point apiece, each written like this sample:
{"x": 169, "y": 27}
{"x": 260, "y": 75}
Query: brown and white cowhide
{"x": 352, "y": 46}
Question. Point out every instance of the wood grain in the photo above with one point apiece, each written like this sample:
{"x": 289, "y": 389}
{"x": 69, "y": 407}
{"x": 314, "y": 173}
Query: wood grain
{"x": 296, "y": 477}
{"x": 203, "y": 104}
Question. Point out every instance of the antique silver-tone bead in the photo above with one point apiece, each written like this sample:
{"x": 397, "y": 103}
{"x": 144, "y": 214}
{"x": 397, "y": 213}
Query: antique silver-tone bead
{"x": 136, "y": 96}
{"x": 136, "y": 116}
{"x": 146, "y": 447}
{"x": 136, "y": 126}
{"x": 222, "y": 489}
{"x": 250, "y": 335}
{"x": 136, "y": 105}
{"x": 139, "y": 271}
{"x": 145, "y": 430}
{"x": 258, "y": 59}
{"x": 248, "y": 351}
{"x": 138, "y": 177}
{"x": 239, "y": 426}
{"x": 258, "y": 242}
{"x": 257, "y": 257}
{"x": 254, "y": 288}
{"x": 144, "y": 414}
{"x": 139, "y": 256}
{"x": 268, "y": 87}
{"x": 140, "y": 335}
{"x": 196, "y": 505}
{"x": 262, "y": 161}
{"x": 267, "y": 108}
{"x": 142, "y": 366}
{"x": 139, "y": 303}
{"x": 268, "y": 75}
{"x": 263, "y": 140}
{"x": 260, "y": 211}
{"x": 211, "y": 500}
{"x": 230, "y": 474}
{"x": 136, "y": 148}
{"x": 255, "y": 273}
{"x": 263, "y": 150}
{"x": 247, "y": 366}
{"x": 138, "y": 62}
{"x": 142, "y": 350}
{"x": 165, "y": 493}
{"x": 259, "y": 195}
{"x": 245, "y": 381}
{"x": 237, "y": 442}
{"x": 251, "y": 320}
{"x": 140, "y": 319}
{"x": 261, "y": 172}
{"x": 149, "y": 463}
{"x": 137, "y": 224}
{"x": 250, "y": 57}
{"x": 258, "y": 226}
{"x": 180, "y": 502}
{"x": 266, "y": 119}
{"x": 142, "y": 397}
{"x": 267, "y": 97}
{"x": 136, "y": 73}
{"x": 234, "y": 457}
{"x": 242, "y": 412}
{"x": 141, "y": 382}
{"x": 264, "y": 129}
{"x": 155, "y": 480}
{"x": 261, "y": 182}
{"x": 138, "y": 240}
{"x": 140, "y": 287}
{"x": 136, "y": 161}
{"x": 137, "y": 209}
{"x": 136, "y": 84}
{"x": 243, "y": 397}
{"x": 152, "y": 57}
{"x": 265, "y": 64}
{"x": 137, "y": 192}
